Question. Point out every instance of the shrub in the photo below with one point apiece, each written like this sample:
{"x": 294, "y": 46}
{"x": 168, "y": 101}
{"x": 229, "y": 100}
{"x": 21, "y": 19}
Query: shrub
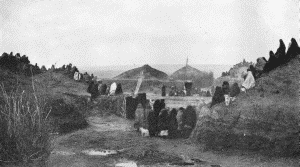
{"x": 65, "y": 117}
{"x": 23, "y": 127}
{"x": 111, "y": 105}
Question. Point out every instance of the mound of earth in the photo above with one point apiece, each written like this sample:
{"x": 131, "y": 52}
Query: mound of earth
{"x": 187, "y": 73}
{"x": 199, "y": 78}
{"x": 264, "y": 119}
{"x": 148, "y": 72}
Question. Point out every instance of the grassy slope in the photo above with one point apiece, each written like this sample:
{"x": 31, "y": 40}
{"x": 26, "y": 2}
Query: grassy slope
{"x": 67, "y": 98}
{"x": 268, "y": 116}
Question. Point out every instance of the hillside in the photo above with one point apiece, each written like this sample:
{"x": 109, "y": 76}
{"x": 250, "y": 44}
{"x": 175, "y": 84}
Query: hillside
{"x": 265, "y": 119}
{"x": 235, "y": 74}
{"x": 148, "y": 71}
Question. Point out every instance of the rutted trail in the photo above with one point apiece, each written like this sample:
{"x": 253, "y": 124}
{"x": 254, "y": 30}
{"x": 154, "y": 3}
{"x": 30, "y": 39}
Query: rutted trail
{"x": 114, "y": 133}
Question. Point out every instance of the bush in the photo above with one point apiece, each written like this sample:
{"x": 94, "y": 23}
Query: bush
{"x": 65, "y": 117}
{"x": 23, "y": 127}
{"x": 111, "y": 105}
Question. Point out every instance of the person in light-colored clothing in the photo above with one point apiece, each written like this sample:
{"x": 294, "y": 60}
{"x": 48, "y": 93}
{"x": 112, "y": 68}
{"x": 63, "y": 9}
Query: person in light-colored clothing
{"x": 249, "y": 81}
{"x": 113, "y": 88}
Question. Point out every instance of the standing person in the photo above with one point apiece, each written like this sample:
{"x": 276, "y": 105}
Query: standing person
{"x": 189, "y": 120}
{"x": 226, "y": 91}
{"x": 93, "y": 89}
{"x": 225, "y": 88}
{"x": 218, "y": 96}
{"x": 173, "y": 124}
{"x": 163, "y": 120}
{"x": 179, "y": 121}
{"x": 113, "y": 88}
{"x": 163, "y": 90}
{"x": 99, "y": 87}
{"x": 119, "y": 89}
{"x": 156, "y": 110}
{"x": 152, "y": 123}
{"x": 107, "y": 90}
{"x": 184, "y": 91}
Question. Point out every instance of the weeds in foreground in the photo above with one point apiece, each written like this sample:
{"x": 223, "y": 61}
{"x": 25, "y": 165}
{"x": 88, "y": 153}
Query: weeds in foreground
{"x": 23, "y": 127}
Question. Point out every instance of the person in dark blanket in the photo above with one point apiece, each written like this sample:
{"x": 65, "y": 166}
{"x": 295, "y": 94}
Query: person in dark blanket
{"x": 179, "y": 118}
{"x": 173, "y": 124}
{"x": 163, "y": 120}
{"x": 259, "y": 66}
{"x": 189, "y": 120}
{"x": 103, "y": 89}
{"x": 93, "y": 89}
{"x": 162, "y": 104}
{"x": 119, "y": 89}
{"x": 234, "y": 90}
{"x": 152, "y": 123}
{"x": 163, "y": 90}
{"x": 272, "y": 62}
{"x": 293, "y": 50}
{"x": 157, "y": 108}
{"x": 218, "y": 96}
{"x": 225, "y": 88}
{"x": 280, "y": 53}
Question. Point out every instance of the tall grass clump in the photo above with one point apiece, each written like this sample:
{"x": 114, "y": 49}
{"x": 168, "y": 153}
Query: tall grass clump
{"x": 24, "y": 134}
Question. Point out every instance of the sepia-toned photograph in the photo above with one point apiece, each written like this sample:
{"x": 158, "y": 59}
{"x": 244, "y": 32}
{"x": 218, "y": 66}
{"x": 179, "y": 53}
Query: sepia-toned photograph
{"x": 149, "y": 83}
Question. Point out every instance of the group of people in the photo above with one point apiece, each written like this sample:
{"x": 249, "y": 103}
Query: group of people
{"x": 178, "y": 123}
{"x": 225, "y": 93}
{"x": 175, "y": 92}
{"x": 254, "y": 72}
{"x": 97, "y": 88}
{"x": 275, "y": 60}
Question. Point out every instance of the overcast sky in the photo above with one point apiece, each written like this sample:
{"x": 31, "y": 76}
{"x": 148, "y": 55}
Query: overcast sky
{"x": 126, "y": 32}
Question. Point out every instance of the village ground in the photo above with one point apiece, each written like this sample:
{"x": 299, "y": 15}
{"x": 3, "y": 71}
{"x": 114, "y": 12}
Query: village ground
{"x": 115, "y": 133}
{"x": 110, "y": 132}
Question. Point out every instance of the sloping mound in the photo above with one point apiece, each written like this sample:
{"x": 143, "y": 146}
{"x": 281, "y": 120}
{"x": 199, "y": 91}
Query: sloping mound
{"x": 199, "y": 78}
{"x": 66, "y": 98}
{"x": 187, "y": 73}
{"x": 148, "y": 71}
{"x": 265, "y": 119}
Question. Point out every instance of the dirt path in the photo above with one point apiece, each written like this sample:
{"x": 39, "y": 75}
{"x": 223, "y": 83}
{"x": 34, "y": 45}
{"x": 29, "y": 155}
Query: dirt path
{"x": 114, "y": 133}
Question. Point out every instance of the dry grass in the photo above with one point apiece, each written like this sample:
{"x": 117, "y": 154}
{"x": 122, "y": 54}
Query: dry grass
{"x": 24, "y": 127}
{"x": 30, "y": 108}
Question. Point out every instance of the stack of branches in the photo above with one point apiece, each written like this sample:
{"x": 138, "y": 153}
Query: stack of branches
{"x": 111, "y": 105}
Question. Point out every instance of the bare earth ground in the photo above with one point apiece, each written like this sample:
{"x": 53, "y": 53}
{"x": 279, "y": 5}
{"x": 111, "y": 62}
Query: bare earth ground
{"x": 115, "y": 133}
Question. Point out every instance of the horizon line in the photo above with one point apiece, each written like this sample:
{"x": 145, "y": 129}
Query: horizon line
{"x": 149, "y": 64}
